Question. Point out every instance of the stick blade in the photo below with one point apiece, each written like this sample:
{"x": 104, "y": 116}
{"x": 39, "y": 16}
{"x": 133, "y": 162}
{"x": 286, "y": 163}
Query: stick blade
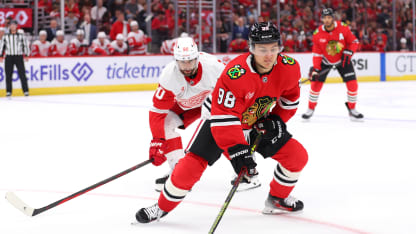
{"x": 19, "y": 204}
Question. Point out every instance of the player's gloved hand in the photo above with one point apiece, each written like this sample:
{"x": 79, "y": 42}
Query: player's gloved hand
{"x": 314, "y": 73}
{"x": 157, "y": 151}
{"x": 346, "y": 58}
{"x": 270, "y": 127}
{"x": 240, "y": 156}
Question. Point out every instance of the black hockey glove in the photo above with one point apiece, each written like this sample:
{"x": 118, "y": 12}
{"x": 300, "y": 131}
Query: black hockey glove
{"x": 313, "y": 74}
{"x": 346, "y": 58}
{"x": 240, "y": 156}
{"x": 275, "y": 135}
{"x": 270, "y": 127}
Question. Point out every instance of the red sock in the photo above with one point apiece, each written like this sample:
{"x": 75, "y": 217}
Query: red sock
{"x": 316, "y": 87}
{"x": 352, "y": 87}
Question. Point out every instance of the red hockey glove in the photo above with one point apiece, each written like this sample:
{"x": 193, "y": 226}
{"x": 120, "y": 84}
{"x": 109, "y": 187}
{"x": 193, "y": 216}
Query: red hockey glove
{"x": 346, "y": 58}
{"x": 156, "y": 151}
{"x": 313, "y": 74}
{"x": 241, "y": 157}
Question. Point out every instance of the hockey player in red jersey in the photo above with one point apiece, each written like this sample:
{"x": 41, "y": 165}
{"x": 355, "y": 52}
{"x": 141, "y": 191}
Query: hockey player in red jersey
{"x": 256, "y": 92}
{"x": 333, "y": 46}
{"x": 183, "y": 86}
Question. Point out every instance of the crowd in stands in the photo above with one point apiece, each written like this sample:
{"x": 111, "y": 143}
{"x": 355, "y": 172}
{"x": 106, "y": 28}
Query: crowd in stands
{"x": 106, "y": 27}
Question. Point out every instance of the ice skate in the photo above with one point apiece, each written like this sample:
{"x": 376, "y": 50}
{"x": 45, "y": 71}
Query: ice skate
{"x": 248, "y": 182}
{"x": 308, "y": 114}
{"x": 149, "y": 214}
{"x": 354, "y": 114}
{"x": 275, "y": 205}
{"x": 160, "y": 182}
{"x": 8, "y": 94}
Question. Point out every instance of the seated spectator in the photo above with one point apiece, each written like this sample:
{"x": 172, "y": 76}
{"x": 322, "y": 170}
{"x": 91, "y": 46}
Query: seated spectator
{"x": 240, "y": 28}
{"x": 100, "y": 45}
{"x": 160, "y": 30}
{"x": 365, "y": 45}
{"x": 40, "y": 48}
{"x": 72, "y": 6}
{"x": 51, "y": 31}
{"x": 289, "y": 44}
{"x": 137, "y": 40}
{"x": 89, "y": 29}
{"x": 238, "y": 45}
{"x": 118, "y": 47}
{"x": 120, "y": 26}
{"x": 79, "y": 45}
{"x": 59, "y": 46}
{"x": 71, "y": 21}
{"x": 403, "y": 45}
{"x": 98, "y": 11}
{"x": 131, "y": 7}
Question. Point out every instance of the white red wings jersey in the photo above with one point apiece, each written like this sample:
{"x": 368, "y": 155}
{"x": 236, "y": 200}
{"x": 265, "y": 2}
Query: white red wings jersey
{"x": 176, "y": 89}
{"x": 242, "y": 96}
{"x": 328, "y": 46}
{"x": 77, "y": 47}
{"x": 115, "y": 49}
{"x": 39, "y": 48}
{"x": 98, "y": 48}
{"x": 167, "y": 46}
{"x": 58, "y": 48}
{"x": 137, "y": 42}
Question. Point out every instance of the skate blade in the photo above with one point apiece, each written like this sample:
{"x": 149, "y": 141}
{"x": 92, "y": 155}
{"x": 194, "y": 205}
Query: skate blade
{"x": 272, "y": 211}
{"x": 353, "y": 119}
{"x": 243, "y": 188}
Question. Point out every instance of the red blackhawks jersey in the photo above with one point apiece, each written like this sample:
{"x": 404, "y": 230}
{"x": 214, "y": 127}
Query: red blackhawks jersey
{"x": 177, "y": 89}
{"x": 328, "y": 46}
{"x": 242, "y": 96}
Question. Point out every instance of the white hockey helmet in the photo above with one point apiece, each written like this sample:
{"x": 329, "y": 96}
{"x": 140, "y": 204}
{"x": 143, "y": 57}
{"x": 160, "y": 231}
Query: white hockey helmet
{"x": 185, "y": 49}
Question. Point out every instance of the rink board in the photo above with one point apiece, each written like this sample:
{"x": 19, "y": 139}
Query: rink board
{"x": 64, "y": 75}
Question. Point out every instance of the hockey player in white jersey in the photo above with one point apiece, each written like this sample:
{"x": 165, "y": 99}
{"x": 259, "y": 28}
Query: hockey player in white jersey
{"x": 100, "y": 45}
{"x": 59, "y": 46}
{"x": 118, "y": 46}
{"x": 183, "y": 86}
{"x": 167, "y": 45}
{"x": 137, "y": 39}
{"x": 40, "y": 48}
{"x": 79, "y": 45}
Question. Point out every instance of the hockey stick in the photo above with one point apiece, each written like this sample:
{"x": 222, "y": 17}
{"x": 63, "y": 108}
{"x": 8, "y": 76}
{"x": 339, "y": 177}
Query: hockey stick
{"x": 319, "y": 74}
{"x": 234, "y": 188}
{"x": 29, "y": 211}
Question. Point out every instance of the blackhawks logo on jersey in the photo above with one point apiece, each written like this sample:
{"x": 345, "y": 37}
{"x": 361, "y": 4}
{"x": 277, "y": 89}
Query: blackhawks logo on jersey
{"x": 236, "y": 72}
{"x": 288, "y": 60}
{"x": 259, "y": 109}
{"x": 334, "y": 47}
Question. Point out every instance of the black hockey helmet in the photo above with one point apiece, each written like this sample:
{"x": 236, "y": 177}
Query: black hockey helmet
{"x": 327, "y": 11}
{"x": 264, "y": 33}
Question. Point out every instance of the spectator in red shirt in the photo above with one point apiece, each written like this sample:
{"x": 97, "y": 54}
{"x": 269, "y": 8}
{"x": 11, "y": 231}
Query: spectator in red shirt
{"x": 238, "y": 44}
{"x": 120, "y": 26}
{"x": 160, "y": 30}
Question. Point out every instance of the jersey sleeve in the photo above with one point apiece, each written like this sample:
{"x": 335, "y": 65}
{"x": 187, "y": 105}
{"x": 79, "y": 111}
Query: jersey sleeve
{"x": 289, "y": 99}
{"x": 163, "y": 101}
{"x": 351, "y": 41}
{"x": 317, "y": 53}
{"x": 227, "y": 105}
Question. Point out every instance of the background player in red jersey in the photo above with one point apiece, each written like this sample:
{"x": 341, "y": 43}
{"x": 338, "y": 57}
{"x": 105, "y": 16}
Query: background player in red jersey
{"x": 333, "y": 46}
{"x": 257, "y": 92}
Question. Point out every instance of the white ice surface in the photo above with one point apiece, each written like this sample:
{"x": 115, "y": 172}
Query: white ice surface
{"x": 360, "y": 177}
